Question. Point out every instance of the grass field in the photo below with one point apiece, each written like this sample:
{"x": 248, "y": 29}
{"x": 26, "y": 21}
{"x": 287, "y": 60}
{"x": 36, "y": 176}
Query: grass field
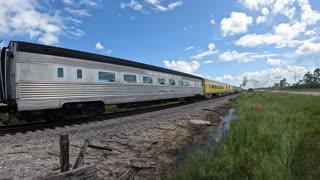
{"x": 274, "y": 136}
{"x": 302, "y": 89}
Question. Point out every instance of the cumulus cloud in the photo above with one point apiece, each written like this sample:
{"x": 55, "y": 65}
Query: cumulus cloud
{"x": 224, "y": 78}
{"x": 235, "y": 56}
{"x": 236, "y": 24}
{"x": 265, "y": 11}
{"x": 99, "y": 46}
{"x": 211, "y": 51}
{"x": 284, "y": 7}
{"x": 274, "y": 62}
{"x": 308, "y": 15}
{"x": 182, "y": 66}
{"x": 242, "y": 57}
{"x": 24, "y": 18}
{"x": 310, "y": 32}
{"x": 35, "y": 19}
{"x": 261, "y": 19}
{"x": 284, "y": 35}
{"x": 308, "y": 48}
{"x": 268, "y": 77}
{"x": 189, "y": 48}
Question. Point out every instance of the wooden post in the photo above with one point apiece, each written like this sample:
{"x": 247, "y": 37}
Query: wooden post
{"x": 64, "y": 152}
{"x": 81, "y": 154}
{"x": 87, "y": 173}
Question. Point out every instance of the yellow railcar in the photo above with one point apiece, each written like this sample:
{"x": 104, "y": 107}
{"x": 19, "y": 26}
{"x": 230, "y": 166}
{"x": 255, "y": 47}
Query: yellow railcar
{"x": 214, "y": 88}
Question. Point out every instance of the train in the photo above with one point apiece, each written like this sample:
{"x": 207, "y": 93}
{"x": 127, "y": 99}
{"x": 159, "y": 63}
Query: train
{"x": 65, "y": 83}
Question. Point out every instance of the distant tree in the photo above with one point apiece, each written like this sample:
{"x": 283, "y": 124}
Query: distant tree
{"x": 308, "y": 78}
{"x": 283, "y": 83}
{"x": 316, "y": 76}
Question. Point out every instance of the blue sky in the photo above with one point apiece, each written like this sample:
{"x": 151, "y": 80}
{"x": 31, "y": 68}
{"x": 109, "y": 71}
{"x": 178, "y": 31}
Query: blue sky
{"x": 261, "y": 41}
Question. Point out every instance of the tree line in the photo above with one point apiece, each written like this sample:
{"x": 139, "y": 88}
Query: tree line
{"x": 309, "y": 80}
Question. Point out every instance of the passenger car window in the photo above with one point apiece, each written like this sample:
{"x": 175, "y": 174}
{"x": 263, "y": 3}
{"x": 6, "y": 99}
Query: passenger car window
{"x": 180, "y": 83}
{"x": 161, "y": 81}
{"x": 106, "y": 76}
{"x": 129, "y": 78}
{"x": 172, "y": 82}
{"x": 79, "y": 73}
{"x": 147, "y": 80}
{"x": 188, "y": 83}
{"x": 60, "y": 72}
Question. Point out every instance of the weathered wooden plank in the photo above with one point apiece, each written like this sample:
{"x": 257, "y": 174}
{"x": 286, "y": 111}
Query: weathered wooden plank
{"x": 83, "y": 173}
{"x": 64, "y": 152}
{"x": 81, "y": 154}
{"x": 100, "y": 147}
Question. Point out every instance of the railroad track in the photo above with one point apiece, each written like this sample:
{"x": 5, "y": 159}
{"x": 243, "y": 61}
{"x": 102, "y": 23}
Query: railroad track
{"x": 31, "y": 127}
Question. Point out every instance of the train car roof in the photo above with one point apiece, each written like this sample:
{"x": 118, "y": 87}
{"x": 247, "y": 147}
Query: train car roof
{"x": 219, "y": 82}
{"x": 63, "y": 52}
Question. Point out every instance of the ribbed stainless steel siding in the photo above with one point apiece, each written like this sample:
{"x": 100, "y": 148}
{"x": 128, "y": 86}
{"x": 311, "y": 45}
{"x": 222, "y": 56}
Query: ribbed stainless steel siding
{"x": 110, "y": 93}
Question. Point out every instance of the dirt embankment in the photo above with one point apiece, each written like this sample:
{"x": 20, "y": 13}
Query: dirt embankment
{"x": 143, "y": 146}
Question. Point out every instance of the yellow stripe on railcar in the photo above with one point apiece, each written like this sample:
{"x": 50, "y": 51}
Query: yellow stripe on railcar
{"x": 212, "y": 88}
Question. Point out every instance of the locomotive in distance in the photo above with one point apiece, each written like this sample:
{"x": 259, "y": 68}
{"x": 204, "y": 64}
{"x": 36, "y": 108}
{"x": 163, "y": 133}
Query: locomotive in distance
{"x": 63, "y": 82}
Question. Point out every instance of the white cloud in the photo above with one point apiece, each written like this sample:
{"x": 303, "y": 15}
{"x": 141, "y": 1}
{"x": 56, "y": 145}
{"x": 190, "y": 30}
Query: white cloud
{"x": 226, "y": 77}
{"x": 183, "y": 66}
{"x": 77, "y": 3}
{"x": 133, "y": 5}
{"x": 68, "y": 2}
{"x": 208, "y": 62}
{"x": 236, "y": 24}
{"x": 308, "y": 48}
{"x": 268, "y": 77}
{"x": 88, "y": 2}
{"x": 235, "y": 56}
{"x": 274, "y": 62}
{"x": 99, "y": 45}
{"x": 211, "y": 51}
{"x": 37, "y": 20}
{"x": 265, "y": 11}
{"x": 310, "y": 32}
{"x": 212, "y": 21}
{"x": 308, "y": 15}
{"x": 175, "y": 5}
{"x": 156, "y": 5}
{"x": 284, "y": 35}
{"x": 77, "y": 12}
{"x": 242, "y": 57}
{"x": 189, "y": 48}
{"x": 261, "y": 19}
{"x": 24, "y": 18}
{"x": 284, "y": 7}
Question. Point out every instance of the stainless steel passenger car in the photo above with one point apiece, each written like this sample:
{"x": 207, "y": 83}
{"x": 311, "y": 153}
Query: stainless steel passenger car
{"x": 37, "y": 77}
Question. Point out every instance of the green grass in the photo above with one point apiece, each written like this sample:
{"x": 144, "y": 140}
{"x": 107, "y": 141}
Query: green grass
{"x": 302, "y": 89}
{"x": 274, "y": 136}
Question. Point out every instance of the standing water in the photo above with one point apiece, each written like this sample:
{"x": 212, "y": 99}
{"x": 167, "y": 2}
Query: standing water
{"x": 210, "y": 139}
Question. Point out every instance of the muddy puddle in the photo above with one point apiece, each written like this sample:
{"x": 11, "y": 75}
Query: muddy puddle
{"x": 210, "y": 138}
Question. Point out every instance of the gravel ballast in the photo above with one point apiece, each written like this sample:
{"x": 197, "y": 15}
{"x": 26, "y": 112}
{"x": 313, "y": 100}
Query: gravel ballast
{"x": 144, "y": 145}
